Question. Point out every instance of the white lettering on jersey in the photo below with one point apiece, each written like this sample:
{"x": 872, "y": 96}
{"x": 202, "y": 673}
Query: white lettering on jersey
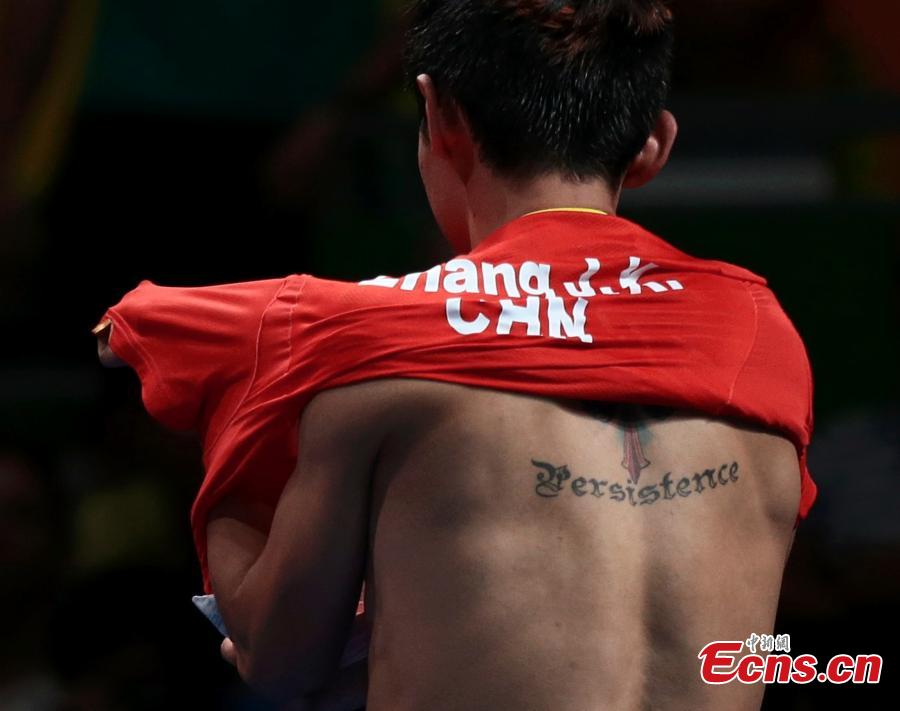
{"x": 529, "y": 315}
{"x": 534, "y": 278}
{"x": 507, "y": 272}
{"x": 584, "y": 287}
{"x": 433, "y": 279}
{"x": 573, "y": 325}
{"x": 385, "y": 281}
{"x": 461, "y": 325}
{"x": 461, "y": 278}
{"x": 543, "y": 311}
{"x": 631, "y": 275}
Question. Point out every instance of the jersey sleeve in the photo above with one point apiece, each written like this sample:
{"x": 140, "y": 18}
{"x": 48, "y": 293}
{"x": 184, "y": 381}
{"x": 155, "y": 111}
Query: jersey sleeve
{"x": 778, "y": 377}
{"x": 193, "y": 348}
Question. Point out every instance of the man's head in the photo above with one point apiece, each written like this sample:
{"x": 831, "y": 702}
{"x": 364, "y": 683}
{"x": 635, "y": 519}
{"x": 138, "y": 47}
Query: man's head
{"x": 531, "y": 88}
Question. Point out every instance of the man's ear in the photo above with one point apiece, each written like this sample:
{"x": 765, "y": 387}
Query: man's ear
{"x": 434, "y": 118}
{"x": 655, "y": 153}
{"x": 446, "y": 130}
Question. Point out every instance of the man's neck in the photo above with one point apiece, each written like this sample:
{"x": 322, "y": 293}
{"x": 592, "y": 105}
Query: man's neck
{"x": 494, "y": 202}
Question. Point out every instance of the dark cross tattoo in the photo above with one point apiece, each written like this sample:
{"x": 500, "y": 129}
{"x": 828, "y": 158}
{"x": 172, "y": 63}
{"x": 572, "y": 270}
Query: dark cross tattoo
{"x": 634, "y": 460}
{"x": 632, "y": 420}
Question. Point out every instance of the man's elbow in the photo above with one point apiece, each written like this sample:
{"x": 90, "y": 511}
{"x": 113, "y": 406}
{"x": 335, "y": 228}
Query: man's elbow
{"x": 284, "y": 677}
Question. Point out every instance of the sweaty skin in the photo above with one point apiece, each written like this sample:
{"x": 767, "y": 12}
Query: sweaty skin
{"x": 491, "y": 590}
{"x": 526, "y": 553}
{"x": 510, "y": 566}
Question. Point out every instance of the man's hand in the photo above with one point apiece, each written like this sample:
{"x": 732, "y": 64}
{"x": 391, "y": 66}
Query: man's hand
{"x": 109, "y": 359}
{"x": 346, "y": 693}
{"x": 229, "y": 653}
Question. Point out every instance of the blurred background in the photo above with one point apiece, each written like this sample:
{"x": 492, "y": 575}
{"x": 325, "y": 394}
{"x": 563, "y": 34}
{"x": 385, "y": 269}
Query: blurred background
{"x": 196, "y": 142}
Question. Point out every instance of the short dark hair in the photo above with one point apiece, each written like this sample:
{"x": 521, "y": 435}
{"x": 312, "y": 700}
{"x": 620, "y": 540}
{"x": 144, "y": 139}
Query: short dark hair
{"x": 570, "y": 86}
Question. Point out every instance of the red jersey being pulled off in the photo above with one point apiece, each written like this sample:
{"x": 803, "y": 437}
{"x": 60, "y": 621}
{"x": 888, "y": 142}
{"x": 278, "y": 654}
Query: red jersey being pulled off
{"x": 559, "y": 304}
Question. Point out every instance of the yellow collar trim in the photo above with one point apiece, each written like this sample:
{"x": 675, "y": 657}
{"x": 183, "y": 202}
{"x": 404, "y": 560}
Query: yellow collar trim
{"x": 567, "y": 209}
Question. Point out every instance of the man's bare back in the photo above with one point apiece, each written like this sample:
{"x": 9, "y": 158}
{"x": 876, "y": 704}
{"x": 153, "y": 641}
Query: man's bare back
{"x": 533, "y": 554}
{"x": 530, "y": 553}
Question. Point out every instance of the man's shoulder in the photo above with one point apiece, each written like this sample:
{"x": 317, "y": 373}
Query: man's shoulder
{"x": 362, "y": 409}
{"x": 381, "y": 407}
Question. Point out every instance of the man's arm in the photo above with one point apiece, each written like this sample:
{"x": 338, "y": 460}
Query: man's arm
{"x": 238, "y": 529}
{"x": 288, "y": 596}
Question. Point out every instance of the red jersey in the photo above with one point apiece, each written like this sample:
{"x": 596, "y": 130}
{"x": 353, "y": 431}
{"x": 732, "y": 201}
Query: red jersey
{"x": 558, "y": 304}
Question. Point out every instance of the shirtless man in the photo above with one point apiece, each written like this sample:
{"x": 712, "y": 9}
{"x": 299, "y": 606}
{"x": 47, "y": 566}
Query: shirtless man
{"x": 519, "y": 551}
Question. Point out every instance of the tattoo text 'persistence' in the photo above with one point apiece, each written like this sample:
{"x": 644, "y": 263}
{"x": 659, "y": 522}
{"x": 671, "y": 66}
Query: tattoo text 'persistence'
{"x": 552, "y": 481}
